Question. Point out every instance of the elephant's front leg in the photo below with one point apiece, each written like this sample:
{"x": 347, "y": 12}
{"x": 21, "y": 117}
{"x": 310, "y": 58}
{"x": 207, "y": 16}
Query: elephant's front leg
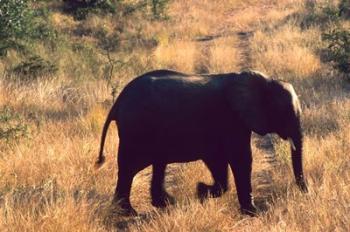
{"x": 160, "y": 198}
{"x": 218, "y": 168}
{"x": 241, "y": 165}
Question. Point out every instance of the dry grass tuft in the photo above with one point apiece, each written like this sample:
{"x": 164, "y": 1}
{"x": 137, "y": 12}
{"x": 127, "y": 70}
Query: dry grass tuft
{"x": 224, "y": 55}
{"x": 178, "y": 55}
{"x": 286, "y": 52}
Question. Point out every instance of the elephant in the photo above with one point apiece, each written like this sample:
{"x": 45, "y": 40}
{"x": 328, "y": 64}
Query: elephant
{"x": 166, "y": 116}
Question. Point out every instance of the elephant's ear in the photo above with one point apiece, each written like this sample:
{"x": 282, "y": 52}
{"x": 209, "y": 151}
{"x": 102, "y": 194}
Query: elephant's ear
{"x": 247, "y": 95}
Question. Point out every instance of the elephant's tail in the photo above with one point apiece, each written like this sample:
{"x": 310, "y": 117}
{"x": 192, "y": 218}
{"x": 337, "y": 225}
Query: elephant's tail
{"x": 101, "y": 158}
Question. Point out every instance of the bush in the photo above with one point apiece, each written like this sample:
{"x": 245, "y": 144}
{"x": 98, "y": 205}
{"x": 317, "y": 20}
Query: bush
{"x": 34, "y": 67}
{"x": 82, "y": 8}
{"x": 42, "y": 28}
{"x": 338, "y": 50}
{"x": 19, "y": 23}
{"x": 16, "y": 22}
{"x": 11, "y": 125}
{"x": 320, "y": 14}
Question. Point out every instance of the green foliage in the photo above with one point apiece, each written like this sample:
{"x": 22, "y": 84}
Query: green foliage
{"x": 20, "y": 23}
{"x": 158, "y": 8}
{"x": 320, "y": 15}
{"x": 330, "y": 15}
{"x": 82, "y": 8}
{"x": 16, "y": 23}
{"x": 344, "y": 8}
{"x": 12, "y": 126}
{"x": 338, "y": 50}
{"x": 34, "y": 67}
{"x": 42, "y": 28}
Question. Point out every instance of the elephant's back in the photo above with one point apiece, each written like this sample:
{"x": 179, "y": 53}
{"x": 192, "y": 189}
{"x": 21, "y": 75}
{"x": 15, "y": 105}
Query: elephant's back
{"x": 164, "y": 98}
{"x": 157, "y": 85}
{"x": 140, "y": 90}
{"x": 146, "y": 80}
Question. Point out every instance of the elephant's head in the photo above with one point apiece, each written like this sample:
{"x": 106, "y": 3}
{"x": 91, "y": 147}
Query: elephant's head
{"x": 269, "y": 106}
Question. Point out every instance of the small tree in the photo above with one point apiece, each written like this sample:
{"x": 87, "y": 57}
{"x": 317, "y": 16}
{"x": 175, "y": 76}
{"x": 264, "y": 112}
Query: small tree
{"x": 339, "y": 48}
{"x": 16, "y": 23}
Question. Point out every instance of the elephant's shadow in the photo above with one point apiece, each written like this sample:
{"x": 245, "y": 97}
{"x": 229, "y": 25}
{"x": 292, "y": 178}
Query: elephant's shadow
{"x": 122, "y": 223}
{"x": 263, "y": 202}
{"x": 266, "y": 196}
{"x": 109, "y": 214}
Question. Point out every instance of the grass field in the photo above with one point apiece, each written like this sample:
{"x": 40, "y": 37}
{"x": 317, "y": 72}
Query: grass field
{"x": 47, "y": 176}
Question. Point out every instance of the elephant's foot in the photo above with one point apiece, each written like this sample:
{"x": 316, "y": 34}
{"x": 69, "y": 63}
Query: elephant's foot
{"x": 249, "y": 210}
{"x": 246, "y": 201}
{"x": 163, "y": 200}
{"x": 204, "y": 191}
{"x": 123, "y": 207}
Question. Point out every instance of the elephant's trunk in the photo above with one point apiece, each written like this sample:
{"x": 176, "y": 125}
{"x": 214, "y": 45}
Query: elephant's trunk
{"x": 297, "y": 158}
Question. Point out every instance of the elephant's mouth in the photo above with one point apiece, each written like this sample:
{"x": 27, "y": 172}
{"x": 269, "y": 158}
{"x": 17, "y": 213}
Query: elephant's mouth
{"x": 282, "y": 135}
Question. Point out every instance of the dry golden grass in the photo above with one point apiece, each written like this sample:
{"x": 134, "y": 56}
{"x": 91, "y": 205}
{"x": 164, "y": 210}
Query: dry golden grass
{"x": 47, "y": 180}
{"x": 286, "y": 51}
{"x": 178, "y": 55}
{"x": 63, "y": 21}
{"x": 224, "y": 55}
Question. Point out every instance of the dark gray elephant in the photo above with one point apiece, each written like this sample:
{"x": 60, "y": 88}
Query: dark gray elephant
{"x": 166, "y": 117}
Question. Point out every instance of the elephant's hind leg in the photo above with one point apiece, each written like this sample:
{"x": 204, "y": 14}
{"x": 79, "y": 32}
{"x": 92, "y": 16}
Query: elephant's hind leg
{"x": 127, "y": 169}
{"x": 218, "y": 169}
{"x": 122, "y": 192}
{"x": 160, "y": 198}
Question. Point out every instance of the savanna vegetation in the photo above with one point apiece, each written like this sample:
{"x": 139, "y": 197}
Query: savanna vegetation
{"x": 62, "y": 64}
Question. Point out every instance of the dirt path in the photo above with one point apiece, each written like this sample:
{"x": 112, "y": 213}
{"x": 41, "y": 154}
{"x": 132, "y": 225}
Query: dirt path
{"x": 263, "y": 165}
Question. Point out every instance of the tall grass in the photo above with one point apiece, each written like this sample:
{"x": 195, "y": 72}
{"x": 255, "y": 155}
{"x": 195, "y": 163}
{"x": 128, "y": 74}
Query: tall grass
{"x": 47, "y": 179}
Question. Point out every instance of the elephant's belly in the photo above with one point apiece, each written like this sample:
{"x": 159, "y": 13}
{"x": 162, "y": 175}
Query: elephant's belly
{"x": 184, "y": 143}
{"x": 187, "y": 148}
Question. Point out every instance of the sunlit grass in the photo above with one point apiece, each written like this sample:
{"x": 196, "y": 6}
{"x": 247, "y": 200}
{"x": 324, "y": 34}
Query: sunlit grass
{"x": 285, "y": 51}
{"x": 48, "y": 181}
{"x": 224, "y": 55}
{"x": 178, "y": 55}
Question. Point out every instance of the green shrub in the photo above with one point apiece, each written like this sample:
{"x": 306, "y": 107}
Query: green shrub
{"x": 12, "y": 126}
{"x": 20, "y": 23}
{"x": 338, "y": 50}
{"x": 82, "y": 8}
{"x": 320, "y": 15}
{"x": 16, "y": 23}
{"x": 344, "y": 8}
{"x": 42, "y": 28}
{"x": 34, "y": 67}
